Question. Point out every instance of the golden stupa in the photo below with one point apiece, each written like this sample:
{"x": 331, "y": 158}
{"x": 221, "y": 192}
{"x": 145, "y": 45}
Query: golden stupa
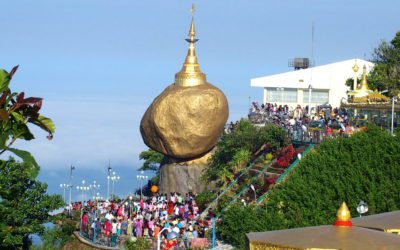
{"x": 186, "y": 120}
{"x": 363, "y": 94}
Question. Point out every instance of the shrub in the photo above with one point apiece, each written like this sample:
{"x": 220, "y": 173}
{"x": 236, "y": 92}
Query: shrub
{"x": 204, "y": 198}
{"x": 365, "y": 167}
{"x": 137, "y": 244}
{"x": 235, "y": 149}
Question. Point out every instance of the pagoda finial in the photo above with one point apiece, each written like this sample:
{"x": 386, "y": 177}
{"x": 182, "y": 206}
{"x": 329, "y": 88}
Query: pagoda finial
{"x": 355, "y": 69}
{"x": 343, "y": 217}
{"x": 190, "y": 74}
{"x": 364, "y": 83}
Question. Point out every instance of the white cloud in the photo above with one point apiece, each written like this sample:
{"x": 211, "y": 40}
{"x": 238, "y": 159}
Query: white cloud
{"x": 89, "y": 133}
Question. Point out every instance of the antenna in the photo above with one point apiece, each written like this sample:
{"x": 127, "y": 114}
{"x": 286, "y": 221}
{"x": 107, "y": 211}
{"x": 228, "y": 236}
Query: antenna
{"x": 312, "y": 43}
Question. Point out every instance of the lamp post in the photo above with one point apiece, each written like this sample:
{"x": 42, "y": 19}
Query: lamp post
{"x": 64, "y": 186}
{"x": 97, "y": 197}
{"x": 254, "y": 190}
{"x": 83, "y": 189}
{"x": 114, "y": 178}
{"x": 94, "y": 186}
{"x": 108, "y": 179}
{"x": 394, "y": 99}
{"x": 130, "y": 206}
{"x": 309, "y": 99}
{"x": 159, "y": 238}
{"x": 362, "y": 208}
{"x": 70, "y": 183}
{"x": 141, "y": 178}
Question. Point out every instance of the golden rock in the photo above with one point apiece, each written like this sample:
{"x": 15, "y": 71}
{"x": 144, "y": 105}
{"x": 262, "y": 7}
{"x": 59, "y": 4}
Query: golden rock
{"x": 186, "y": 120}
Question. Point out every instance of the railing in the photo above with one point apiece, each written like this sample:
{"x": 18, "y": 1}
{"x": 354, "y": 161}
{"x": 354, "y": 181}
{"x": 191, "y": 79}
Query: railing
{"x": 245, "y": 188}
{"x": 229, "y": 186}
{"x": 287, "y": 171}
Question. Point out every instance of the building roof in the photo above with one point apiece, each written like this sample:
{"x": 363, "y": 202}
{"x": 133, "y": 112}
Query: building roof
{"x": 320, "y": 77}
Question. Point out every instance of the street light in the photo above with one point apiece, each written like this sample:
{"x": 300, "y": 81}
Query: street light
{"x": 394, "y": 99}
{"x": 97, "y": 197}
{"x": 64, "y": 186}
{"x": 83, "y": 189}
{"x": 254, "y": 190}
{"x": 94, "y": 186}
{"x": 114, "y": 178}
{"x": 108, "y": 179}
{"x": 309, "y": 99}
{"x": 362, "y": 208}
{"x": 159, "y": 238}
{"x": 130, "y": 206}
{"x": 70, "y": 183}
{"x": 141, "y": 178}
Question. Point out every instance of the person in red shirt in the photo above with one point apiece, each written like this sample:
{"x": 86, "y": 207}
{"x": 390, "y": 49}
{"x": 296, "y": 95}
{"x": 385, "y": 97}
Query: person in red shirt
{"x": 107, "y": 225}
{"x": 170, "y": 207}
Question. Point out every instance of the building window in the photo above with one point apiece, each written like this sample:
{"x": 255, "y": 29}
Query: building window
{"x": 317, "y": 96}
{"x": 282, "y": 95}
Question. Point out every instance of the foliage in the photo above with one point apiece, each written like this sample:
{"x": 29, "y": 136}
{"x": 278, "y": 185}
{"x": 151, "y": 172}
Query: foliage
{"x": 56, "y": 237}
{"x": 16, "y": 112}
{"x": 24, "y": 204}
{"x": 386, "y": 73}
{"x": 239, "y": 220}
{"x": 362, "y": 167}
{"x": 236, "y": 148}
{"x": 204, "y": 198}
{"x": 140, "y": 243}
{"x": 24, "y": 207}
{"x": 152, "y": 159}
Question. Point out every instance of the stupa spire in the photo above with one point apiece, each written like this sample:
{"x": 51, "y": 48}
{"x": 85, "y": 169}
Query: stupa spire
{"x": 355, "y": 69}
{"x": 364, "y": 83}
{"x": 190, "y": 74}
{"x": 343, "y": 217}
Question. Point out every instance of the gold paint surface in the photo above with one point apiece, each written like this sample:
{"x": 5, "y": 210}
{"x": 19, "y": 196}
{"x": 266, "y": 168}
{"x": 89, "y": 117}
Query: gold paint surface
{"x": 190, "y": 74}
{"x": 185, "y": 122}
{"x": 343, "y": 214}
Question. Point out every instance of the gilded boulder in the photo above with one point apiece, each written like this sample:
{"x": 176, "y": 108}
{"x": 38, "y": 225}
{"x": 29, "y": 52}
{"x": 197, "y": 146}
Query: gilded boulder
{"x": 185, "y": 122}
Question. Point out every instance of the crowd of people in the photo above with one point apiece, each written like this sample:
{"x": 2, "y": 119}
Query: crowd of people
{"x": 174, "y": 218}
{"x": 304, "y": 125}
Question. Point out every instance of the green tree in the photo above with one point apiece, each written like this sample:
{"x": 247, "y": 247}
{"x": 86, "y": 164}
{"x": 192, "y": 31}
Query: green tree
{"x": 386, "y": 73}
{"x": 235, "y": 149}
{"x": 24, "y": 207}
{"x": 24, "y": 204}
{"x": 152, "y": 159}
{"x": 362, "y": 167}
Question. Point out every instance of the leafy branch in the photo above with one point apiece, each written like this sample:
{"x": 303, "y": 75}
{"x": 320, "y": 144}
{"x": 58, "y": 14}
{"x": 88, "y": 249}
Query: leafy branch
{"x": 16, "y": 113}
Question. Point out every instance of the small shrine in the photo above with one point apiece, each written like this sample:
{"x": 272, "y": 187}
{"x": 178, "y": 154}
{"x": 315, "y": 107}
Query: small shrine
{"x": 366, "y": 105}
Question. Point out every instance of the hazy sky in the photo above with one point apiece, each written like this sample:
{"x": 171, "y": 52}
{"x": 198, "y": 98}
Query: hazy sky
{"x": 98, "y": 64}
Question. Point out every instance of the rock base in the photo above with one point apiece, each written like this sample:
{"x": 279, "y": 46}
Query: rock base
{"x": 181, "y": 178}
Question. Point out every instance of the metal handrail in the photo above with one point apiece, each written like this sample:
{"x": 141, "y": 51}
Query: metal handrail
{"x": 228, "y": 187}
{"x": 245, "y": 188}
{"x": 287, "y": 171}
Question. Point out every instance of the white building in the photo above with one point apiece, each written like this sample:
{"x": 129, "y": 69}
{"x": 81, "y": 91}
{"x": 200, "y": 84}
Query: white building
{"x": 327, "y": 83}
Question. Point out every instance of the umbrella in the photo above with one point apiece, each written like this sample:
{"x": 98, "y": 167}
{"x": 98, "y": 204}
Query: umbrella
{"x": 341, "y": 235}
{"x": 387, "y": 222}
{"x": 172, "y": 235}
